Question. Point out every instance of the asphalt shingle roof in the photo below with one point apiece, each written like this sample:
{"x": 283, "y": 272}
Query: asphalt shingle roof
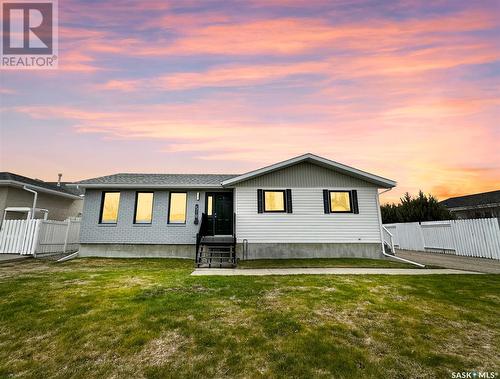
{"x": 39, "y": 183}
{"x": 473, "y": 200}
{"x": 160, "y": 179}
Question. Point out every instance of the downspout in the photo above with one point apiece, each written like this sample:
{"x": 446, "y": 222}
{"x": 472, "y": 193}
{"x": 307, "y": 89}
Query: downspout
{"x": 382, "y": 234}
{"x": 35, "y": 197}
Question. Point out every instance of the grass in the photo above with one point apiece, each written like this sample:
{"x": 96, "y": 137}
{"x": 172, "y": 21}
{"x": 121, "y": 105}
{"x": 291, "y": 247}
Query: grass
{"x": 94, "y": 318}
{"x": 323, "y": 262}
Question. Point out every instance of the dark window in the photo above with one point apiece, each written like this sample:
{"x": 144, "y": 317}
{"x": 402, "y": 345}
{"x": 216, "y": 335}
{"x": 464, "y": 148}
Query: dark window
{"x": 110, "y": 203}
{"x": 143, "y": 208}
{"x": 274, "y": 201}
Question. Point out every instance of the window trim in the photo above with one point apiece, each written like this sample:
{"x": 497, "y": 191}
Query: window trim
{"x": 103, "y": 196}
{"x": 170, "y": 208}
{"x": 264, "y": 201}
{"x": 351, "y": 205}
{"x": 135, "y": 208}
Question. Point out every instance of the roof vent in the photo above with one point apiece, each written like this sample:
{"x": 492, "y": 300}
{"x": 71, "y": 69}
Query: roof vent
{"x": 59, "y": 179}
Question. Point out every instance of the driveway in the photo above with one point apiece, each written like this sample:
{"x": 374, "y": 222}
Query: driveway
{"x": 491, "y": 266}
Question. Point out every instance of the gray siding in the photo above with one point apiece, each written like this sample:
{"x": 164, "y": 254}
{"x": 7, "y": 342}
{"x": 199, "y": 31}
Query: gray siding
{"x": 305, "y": 175}
{"x": 126, "y": 232}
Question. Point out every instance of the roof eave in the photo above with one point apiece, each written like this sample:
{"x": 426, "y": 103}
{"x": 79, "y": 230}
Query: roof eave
{"x": 18, "y": 184}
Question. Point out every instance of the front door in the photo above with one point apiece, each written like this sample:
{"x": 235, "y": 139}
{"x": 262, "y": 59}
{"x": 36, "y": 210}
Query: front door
{"x": 219, "y": 210}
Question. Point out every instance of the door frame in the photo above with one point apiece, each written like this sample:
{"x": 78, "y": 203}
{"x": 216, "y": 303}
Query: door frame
{"x": 210, "y": 218}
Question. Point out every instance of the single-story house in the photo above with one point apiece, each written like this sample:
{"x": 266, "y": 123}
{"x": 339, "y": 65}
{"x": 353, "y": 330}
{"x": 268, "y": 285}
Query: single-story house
{"x": 307, "y": 206}
{"x": 479, "y": 205}
{"x": 20, "y": 194}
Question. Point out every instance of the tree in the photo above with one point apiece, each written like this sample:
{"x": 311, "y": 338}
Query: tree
{"x": 415, "y": 209}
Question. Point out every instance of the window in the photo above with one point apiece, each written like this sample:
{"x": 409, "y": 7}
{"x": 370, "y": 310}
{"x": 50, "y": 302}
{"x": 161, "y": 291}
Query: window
{"x": 177, "y": 209}
{"x": 210, "y": 203}
{"x": 274, "y": 201}
{"x": 109, "y": 207}
{"x": 143, "y": 208}
{"x": 340, "y": 201}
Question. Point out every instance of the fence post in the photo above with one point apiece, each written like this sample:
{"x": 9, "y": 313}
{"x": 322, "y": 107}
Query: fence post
{"x": 36, "y": 237}
{"x": 66, "y": 236}
{"x": 421, "y": 232}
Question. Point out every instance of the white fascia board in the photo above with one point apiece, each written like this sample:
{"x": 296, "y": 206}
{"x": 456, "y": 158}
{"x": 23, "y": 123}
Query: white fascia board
{"x": 383, "y": 182}
{"x": 17, "y": 184}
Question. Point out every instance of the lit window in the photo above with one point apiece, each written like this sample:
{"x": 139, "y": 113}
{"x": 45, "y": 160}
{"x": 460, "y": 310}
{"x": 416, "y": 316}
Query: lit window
{"x": 274, "y": 201}
{"x": 143, "y": 208}
{"x": 177, "y": 211}
{"x": 210, "y": 200}
{"x": 109, "y": 207}
{"x": 340, "y": 201}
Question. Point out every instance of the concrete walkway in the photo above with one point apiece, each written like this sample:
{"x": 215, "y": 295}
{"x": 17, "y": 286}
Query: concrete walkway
{"x": 491, "y": 266}
{"x": 322, "y": 271}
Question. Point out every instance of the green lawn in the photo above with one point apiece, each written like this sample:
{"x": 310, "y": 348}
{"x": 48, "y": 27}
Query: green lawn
{"x": 94, "y": 318}
{"x": 323, "y": 262}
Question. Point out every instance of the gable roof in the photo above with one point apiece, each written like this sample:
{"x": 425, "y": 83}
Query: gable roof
{"x": 478, "y": 199}
{"x": 323, "y": 162}
{"x": 124, "y": 180}
{"x": 11, "y": 179}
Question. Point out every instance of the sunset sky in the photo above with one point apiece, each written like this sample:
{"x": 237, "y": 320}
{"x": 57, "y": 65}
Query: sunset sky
{"x": 407, "y": 90}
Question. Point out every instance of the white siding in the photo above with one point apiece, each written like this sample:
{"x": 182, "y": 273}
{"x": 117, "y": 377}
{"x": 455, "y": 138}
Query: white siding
{"x": 305, "y": 175}
{"x": 308, "y": 222}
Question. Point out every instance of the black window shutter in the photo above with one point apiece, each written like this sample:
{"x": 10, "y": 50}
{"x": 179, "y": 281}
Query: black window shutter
{"x": 288, "y": 201}
{"x": 355, "y": 208}
{"x": 326, "y": 201}
{"x": 260, "y": 201}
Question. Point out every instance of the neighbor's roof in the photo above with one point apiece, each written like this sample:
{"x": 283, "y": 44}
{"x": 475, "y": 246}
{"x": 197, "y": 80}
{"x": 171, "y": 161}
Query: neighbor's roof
{"x": 156, "y": 180}
{"x": 338, "y": 167}
{"x": 8, "y": 178}
{"x": 475, "y": 200}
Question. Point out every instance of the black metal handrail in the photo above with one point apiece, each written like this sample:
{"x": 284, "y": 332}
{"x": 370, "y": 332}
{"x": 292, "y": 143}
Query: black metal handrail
{"x": 201, "y": 233}
{"x": 234, "y": 239}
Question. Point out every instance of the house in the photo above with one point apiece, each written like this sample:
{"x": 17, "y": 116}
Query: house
{"x": 479, "y": 205}
{"x": 306, "y": 206}
{"x": 20, "y": 194}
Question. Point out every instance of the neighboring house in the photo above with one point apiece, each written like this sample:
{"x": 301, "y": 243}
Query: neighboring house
{"x": 307, "y": 206}
{"x": 479, "y": 205}
{"x": 59, "y": 200}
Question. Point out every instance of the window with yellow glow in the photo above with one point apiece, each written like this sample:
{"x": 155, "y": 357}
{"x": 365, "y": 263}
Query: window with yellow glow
{"x": 143, "y": 208}
{"x": 274, "y": 201}
{"x": 340, "y": 201}
{"x": 177, "y": 210}
{"x": 109, "y": 207}
{"x": 210, "y": 200}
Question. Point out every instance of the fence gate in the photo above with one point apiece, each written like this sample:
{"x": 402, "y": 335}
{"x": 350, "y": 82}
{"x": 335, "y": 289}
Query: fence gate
{"x": 19, "y": 236}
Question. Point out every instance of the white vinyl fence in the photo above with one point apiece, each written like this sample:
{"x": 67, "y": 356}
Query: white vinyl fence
{"x": 31, "y": 237}
{"x": 472, "y": 238}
